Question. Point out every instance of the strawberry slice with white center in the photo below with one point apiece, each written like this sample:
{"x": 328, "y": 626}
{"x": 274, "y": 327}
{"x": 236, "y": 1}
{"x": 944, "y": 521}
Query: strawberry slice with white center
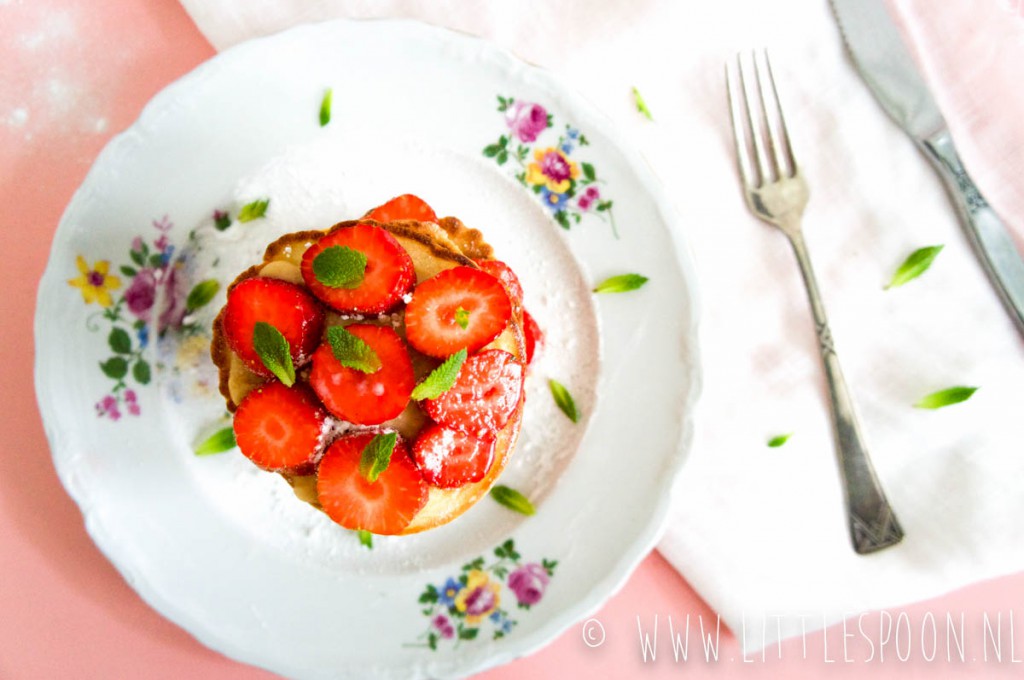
{"x": 460, "y": 308}
{"x": 484, "y": 396}
{"x": 280, "y": 428}
{"x": 385, "y": 506}
{"x": 449, "y": 459}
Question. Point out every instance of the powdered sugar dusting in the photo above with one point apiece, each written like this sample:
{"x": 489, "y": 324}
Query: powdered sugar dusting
{"x": 316, "y": 185}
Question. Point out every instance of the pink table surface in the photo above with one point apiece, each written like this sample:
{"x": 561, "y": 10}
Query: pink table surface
{"x": 73, "y": 75}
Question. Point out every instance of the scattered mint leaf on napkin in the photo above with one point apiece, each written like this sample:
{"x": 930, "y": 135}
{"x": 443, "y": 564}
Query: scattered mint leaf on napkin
{"x": 621, "y": 283}
{"x": 946, "y": 397}
{"x": 441, "y": 378}
{"x": 201, "y": 294}
{"x": 218, "y": 442}
{"x": 274, "y": 352}
{"x": 365, "y": 538}
{"x": 340, "y": 267}
{"x": 641, "y": 105}
{"x": 253, "y": 211}
{"x": 325, "y": 108}
{"x": 352, "y": 352}
{"x": 377, "y": 456}
{"x": 917, "y": 263}
{"x": 512, "y": 499}
{"x": 778, "y": 440}
{"x": 564, "y": 400}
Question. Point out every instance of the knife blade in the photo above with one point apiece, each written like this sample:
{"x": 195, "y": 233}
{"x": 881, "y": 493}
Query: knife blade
{"x": 886, "y": 65}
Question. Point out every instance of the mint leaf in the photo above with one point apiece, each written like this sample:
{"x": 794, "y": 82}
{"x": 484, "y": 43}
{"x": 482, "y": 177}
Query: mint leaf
{"x": 441, "y": 378}
{"x": 512, "y": 499}
{"x": 340, "y": 267}
{"x": 917, "y": 263}
{"x": 377, "y": 456}
{"x": 325, "y": 108}
{"x": 946, "y": 397}
{"x": 201, "y": 294}
{"x": 351, "y": 351}
{"x": 564, "y": 400}
{"x": 253, "y": 211}
{"x": 778, "y": 440}
{"x": 274, "y": 352}
{"x": 462, "y": 318}
{"x": 365, "y": 538}
{"x": 641, "y": 106}
{"x": 218, "y": 442}
{"x": 621, "y": 283}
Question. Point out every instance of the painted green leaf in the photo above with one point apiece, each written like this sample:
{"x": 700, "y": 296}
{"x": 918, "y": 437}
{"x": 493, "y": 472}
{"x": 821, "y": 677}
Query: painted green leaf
{"x": 564, "y": 400}
{"x": 946, "y": 397}
{"x": 512, "y": 499}
{"x": 274, "y": 352}
{"x": 120, "y": 341}
{"x": 218, "y": 442}
{"x": 621, "y": 283}
{"x": 115, "y": 367}
{"x": 141, "y": 372}
{"x": 917, "y": 263}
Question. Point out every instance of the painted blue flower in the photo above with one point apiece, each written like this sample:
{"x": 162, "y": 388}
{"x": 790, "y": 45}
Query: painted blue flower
{"x": 446, "y": 593}
{"x": 165, "y": 256}
{"x": 566, "y": 148}
{"x": 572, "y": 132}
{"x": 143, "y": 335}
{"x": 501, "y": 621}
{"x": 552, "y": 200}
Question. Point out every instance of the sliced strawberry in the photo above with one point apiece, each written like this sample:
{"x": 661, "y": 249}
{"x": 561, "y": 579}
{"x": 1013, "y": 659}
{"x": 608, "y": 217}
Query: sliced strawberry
{"x": 504, "y": 273}
{"x": 432, "y": 317}
{"x": 385, "y": 506}
{"x": 280, "y": 428}
{"x": 534, "y": 336}
{"x": 450, "y": 459}
{"x": 404, "y": 207}
{"x": 483, "y": 397}
{"x": 389, "y": 270}
{"x": 365, "y": 398}
{"x": 285, "y": 306}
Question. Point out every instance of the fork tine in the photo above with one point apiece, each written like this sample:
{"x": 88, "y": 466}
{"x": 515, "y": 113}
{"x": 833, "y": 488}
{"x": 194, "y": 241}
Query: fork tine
{"x": 783, "y": 132}
{"x": 739, "y": 136}
{"x": 757, "y": 141}
{"x": 772, "y": 150}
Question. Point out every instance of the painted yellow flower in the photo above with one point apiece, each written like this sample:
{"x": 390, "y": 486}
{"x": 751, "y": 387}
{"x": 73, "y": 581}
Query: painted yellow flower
{"x": 478, "y": 598}
{"x": 95, "y": 283}
{"x": 552, "y": 169}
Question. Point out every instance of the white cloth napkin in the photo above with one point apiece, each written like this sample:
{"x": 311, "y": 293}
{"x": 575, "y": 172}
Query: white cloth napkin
{"x": 760, "y": 531}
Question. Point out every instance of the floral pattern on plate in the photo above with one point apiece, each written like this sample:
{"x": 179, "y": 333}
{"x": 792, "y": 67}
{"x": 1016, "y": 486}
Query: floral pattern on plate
{"x": 471, "y": 601}
{"x": 150, "y": 294}
{"x": 567, "y": 187}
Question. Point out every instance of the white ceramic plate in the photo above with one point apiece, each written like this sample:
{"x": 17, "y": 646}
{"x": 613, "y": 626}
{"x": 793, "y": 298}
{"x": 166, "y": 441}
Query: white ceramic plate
{"x": 126, "y": 388}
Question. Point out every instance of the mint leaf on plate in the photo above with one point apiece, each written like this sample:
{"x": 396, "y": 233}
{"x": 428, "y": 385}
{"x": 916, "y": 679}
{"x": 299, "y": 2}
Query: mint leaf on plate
{"x": 512, "y": 499}
{"x": 946, "y": 397}
{"x": 253, "y": 211}
{"x": 564, "y": 400}
{"x": 917, "y": 263}
{"x": 621, "y": 283}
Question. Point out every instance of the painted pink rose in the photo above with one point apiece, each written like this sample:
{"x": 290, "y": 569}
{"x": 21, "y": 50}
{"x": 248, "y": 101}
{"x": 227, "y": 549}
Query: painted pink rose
{"x": 444, "y": 626}
{"x": 528, "y": 583}
{"x": 141, "y": 295}
{"x": 175, "y": 294}
{"x": 556, "y": 166}
{"x": 526, "y": 120}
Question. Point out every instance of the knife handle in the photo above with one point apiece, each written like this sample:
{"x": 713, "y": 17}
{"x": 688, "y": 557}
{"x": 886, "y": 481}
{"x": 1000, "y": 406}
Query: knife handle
{"x": 988, "y": 235}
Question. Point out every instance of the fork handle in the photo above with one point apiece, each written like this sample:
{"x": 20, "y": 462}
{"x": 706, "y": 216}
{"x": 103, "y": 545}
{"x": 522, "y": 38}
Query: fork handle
{"x": 873, "y": 524}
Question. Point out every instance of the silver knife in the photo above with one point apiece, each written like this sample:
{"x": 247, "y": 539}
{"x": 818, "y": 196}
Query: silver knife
{"x": 886, "y": 66}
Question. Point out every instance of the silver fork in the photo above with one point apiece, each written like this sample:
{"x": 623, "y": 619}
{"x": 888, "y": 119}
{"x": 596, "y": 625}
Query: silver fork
{"x": 776, "y": 192}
